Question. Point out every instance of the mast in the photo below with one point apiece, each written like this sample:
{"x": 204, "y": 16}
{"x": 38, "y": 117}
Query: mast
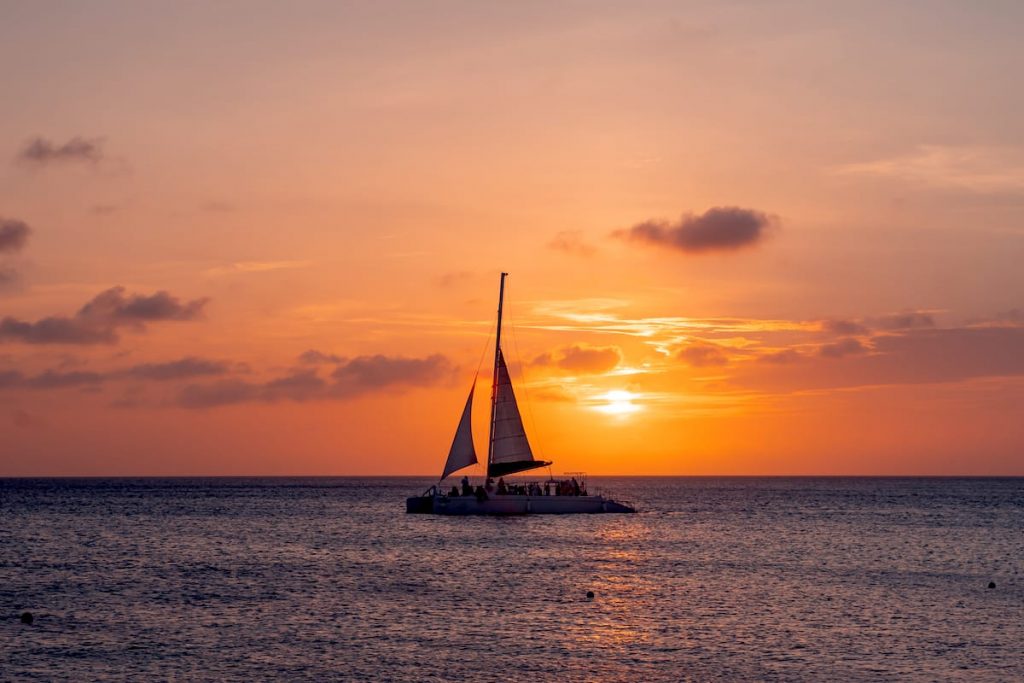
{"x": 494, "y": 379}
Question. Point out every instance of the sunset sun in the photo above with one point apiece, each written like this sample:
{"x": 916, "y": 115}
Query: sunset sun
{"x": 617, "y": 402}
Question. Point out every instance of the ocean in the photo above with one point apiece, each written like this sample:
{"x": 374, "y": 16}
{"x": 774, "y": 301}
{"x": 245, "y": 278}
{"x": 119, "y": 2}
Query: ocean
{"x": 730, "y": 579}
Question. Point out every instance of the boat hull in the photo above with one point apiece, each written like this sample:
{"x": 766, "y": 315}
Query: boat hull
{"x": 513, "y": 505}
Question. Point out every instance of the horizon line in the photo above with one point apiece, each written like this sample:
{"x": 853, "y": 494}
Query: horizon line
{"x": 424, "y": 476}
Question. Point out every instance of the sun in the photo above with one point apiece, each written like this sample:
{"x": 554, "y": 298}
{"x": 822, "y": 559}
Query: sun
{"x": 618, "y": 402}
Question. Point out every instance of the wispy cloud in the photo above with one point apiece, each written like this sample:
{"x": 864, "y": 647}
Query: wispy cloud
{"x": 240, "y": 267}
{"x": 969, "y": 167}
{"x": 572, "y": 242}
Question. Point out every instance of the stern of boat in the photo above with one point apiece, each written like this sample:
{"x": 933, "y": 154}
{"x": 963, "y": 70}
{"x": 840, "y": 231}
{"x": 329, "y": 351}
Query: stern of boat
{"x": 419, "y": 505}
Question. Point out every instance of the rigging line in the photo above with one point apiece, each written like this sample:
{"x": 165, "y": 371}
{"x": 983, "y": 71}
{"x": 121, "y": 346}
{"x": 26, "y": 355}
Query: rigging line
{"x": 483, "y": 354}
{"x": 526, "y": 391}
{"x": 487, "y": 344}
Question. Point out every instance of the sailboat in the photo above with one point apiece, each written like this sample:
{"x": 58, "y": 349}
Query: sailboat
{"x": 508, "y": 452}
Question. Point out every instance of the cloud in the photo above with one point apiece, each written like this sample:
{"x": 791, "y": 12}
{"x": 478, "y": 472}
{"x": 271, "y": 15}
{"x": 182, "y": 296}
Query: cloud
{"x": 13, "y": 234}
{"x": 50, "y": 379}
{"x": 844, "y": 327}
{"x": 369, "y": 373}
{"x": 9, "y": 277}
{"x": 781, "y": 357}
{"x": 455, "y": 278}
{"x": 905, "y": 321}
{"x": 361, "y": 375}
{"x": 300, "y": 385}
{"x": 314, "y": 357}
{"x": 62, "y": 380}
{"x": 907, "y": 357}
{"x": 183, "y": 368}
{"x": 41, "y": 151}
{"x": 843, "y": 347}
{"x": 10, "y": 378}
{"x": 98, "y": 321}
{"x": 223, "y": 392}
{"x": 571, "y": 242}
{"x": 58, "y": 379}
{"x": 721, "y": 228}
{"x": 582, "y": 358}
{"x": 114, "y": 306}
{"x": 703, "y": 354}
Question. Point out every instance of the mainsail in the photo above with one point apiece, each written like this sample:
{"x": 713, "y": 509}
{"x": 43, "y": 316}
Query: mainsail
{"x": 510, "y": 449}
{"x": 462, "y": 453}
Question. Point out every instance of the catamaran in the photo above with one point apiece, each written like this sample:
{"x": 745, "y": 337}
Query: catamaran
{"x": 508, "y": 452}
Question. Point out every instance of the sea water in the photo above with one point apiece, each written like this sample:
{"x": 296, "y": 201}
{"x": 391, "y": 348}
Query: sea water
{"x": 768, "y": 579}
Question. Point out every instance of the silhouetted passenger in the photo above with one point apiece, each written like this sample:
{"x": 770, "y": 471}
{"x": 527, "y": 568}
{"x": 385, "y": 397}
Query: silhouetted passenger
{"x": 480, "y": 494}
{"x": 467, "y": 490}
{"x": 454, "y": 493}
{"x": 502, "y": 490}
{"x": 547, "y": 488}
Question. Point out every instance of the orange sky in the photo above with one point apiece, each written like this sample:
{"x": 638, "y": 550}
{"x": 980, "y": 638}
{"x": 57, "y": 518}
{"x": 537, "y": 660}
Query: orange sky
{"x": 743, "y": 238}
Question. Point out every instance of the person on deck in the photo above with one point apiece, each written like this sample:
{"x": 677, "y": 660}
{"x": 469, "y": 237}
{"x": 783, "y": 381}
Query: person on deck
{"x": 467, "y": 490}
{"x": 502, "y": 490}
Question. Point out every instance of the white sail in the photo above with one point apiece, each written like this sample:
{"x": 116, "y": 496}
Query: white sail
{"x": 509, "y": 442}
{"x": 462, "y": 453}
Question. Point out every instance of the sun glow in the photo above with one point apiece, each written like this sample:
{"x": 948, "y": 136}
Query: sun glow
{"x": 617, "y": 402}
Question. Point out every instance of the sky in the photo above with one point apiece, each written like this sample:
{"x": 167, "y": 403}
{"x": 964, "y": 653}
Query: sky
{"x": 743, "y": 238}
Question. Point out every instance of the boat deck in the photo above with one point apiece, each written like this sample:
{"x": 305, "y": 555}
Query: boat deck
{"x": 513, "y": 505}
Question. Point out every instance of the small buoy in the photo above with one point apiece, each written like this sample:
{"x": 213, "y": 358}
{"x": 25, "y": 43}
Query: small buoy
{"x": 991, "y": 584}
{"x": 590, "y": 595}
{"x": 26, "y": 618}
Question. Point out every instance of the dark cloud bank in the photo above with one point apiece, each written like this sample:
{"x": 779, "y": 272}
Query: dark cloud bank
{"x": 721, "y": 228}
{"x": 99, "y": 320}
{"x": 351, "y": 378}
{"x": 183, "y": 368}
{"x": 910, "y": 356}
{"x": 908, "y": 320}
